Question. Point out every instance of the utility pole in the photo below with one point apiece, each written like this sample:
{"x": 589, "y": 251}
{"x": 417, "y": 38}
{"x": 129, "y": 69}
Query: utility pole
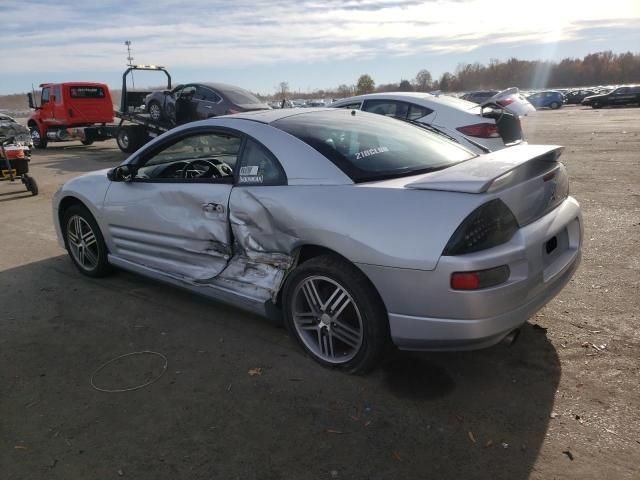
{"x": 130, "y": 61}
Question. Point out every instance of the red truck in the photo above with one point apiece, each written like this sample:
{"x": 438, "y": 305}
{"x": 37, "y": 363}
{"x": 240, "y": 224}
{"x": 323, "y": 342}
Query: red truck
{"x": 84, "y": 111}
{"x": 71, "y": 111}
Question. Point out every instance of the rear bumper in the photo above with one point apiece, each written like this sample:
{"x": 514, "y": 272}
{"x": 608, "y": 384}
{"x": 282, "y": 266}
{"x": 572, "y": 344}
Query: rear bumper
{"x": 426, "y": 314}
{"x": 425, "y": 333}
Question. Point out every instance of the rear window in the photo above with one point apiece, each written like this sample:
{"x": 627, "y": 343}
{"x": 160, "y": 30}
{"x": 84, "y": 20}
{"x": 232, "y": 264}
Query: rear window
{"x": 86, "y": 92}
{"x": 240, "y": 96}
{"x": 370, "y": 147}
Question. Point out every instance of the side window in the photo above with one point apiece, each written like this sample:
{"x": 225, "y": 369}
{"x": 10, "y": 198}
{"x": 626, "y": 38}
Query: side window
{"x": 204, "y": 157}
{"x": 208, "y": 95}
{"x": 45, "y": 95}
{"x": 352, "y": 106}
{"x": 186, "y": 92}
{"x": 259, "y": 167}
{"x": 416, "y": 112}
{"x": 58, "y": 93}
{"x": 388, "y": 108}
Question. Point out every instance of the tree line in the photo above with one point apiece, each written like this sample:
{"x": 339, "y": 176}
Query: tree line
{"x": 600, "y": 68}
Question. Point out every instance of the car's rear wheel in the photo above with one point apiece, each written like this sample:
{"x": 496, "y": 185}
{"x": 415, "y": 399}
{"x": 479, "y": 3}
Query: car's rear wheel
{"x": 155, "y": 111}
{"x": 85, "y": 242}
{"x": 335, "y": 314}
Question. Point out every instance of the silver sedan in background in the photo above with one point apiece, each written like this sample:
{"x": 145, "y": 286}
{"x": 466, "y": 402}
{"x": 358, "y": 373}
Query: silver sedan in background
{"x": 357, "y": 229}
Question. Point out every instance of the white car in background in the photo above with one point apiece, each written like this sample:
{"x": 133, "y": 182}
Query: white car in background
{"x": 491, "y": 126}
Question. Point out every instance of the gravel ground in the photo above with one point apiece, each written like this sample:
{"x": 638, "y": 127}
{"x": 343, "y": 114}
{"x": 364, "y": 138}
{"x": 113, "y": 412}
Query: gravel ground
{"x": 562, "y": 402}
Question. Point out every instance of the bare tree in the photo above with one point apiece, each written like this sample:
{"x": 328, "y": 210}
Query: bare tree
{"x": 284, "y": 90}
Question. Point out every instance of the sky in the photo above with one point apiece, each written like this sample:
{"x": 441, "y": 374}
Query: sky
{"x": 310, "y": 44}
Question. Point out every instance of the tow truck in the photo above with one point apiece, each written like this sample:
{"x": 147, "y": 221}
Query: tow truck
{"x": 84, "y": 111}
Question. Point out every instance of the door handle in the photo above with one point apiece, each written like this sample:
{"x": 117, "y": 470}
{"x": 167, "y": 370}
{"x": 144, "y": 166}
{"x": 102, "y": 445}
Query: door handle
{"x": 208, "y": 106}
{"x": 213, "y": 207}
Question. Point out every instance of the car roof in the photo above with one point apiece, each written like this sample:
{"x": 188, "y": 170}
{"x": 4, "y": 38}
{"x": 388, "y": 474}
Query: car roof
{"x": 270, "y": 116}
{"x": 426, "y": 98}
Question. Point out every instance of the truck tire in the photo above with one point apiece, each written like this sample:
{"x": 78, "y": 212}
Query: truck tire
{"x": 129, "y": 139}
{"x": 87, "y": 142}
{"x": 39, "y": 140}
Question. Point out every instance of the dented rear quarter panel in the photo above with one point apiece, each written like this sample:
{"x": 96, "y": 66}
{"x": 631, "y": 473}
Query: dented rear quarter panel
{"x": 393, "y": 227}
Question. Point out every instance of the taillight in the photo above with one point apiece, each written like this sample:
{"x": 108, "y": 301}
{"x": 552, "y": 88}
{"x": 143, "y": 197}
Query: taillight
{"x": 481, "y": 130}
{"x": 480, "y": 279}
{"x": 506, "y": 101}
{"x": 488, "y": 226}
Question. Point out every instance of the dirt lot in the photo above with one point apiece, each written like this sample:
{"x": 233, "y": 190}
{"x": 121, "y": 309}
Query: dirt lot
{"x": 563, "y": 402}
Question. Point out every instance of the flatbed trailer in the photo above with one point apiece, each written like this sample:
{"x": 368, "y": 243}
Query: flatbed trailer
{"x": 136, "y": 127}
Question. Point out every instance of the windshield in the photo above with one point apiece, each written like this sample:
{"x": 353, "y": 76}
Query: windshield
{"x": 372, "y": 147}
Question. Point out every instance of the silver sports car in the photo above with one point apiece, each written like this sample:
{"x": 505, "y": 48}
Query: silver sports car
{"x": 357, "y": 229}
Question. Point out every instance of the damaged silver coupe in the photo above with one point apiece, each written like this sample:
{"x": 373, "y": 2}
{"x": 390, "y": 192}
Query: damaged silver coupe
{"x": 357, "y": 229}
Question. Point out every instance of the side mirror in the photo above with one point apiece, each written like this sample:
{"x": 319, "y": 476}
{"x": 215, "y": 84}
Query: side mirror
{"x": 31, "y": 102}
{"x": 122, "y": 173}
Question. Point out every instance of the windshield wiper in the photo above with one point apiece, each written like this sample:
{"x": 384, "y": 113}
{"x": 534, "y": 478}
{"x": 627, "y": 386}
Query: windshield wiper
{"x": 433, "y": 129}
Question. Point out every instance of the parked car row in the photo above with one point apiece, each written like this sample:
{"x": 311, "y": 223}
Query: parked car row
{"x": 626, "y": 95}
{"x": 554, "y": 99}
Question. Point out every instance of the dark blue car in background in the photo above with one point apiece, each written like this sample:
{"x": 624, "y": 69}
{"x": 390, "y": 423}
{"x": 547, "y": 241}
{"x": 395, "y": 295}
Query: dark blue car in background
{"x": 547, "y": 99}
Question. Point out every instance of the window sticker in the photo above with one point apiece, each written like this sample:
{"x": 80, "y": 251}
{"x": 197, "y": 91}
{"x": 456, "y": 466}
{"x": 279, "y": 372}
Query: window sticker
{"x": 249, "y": 170}
{"x": 371, "y": 151}
{"x": 249, "y": 174}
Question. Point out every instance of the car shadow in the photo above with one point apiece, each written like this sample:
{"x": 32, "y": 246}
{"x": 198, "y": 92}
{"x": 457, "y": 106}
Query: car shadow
{"x": 239, "y": 399}
{"x": 77, "y": 158}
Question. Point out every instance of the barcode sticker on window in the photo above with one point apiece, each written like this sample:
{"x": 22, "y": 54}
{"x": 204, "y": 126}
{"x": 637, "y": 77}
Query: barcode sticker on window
{"x": 249, "y": 170}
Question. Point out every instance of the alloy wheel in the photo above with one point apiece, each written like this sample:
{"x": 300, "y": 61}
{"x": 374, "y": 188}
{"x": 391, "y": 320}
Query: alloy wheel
{"x": 154, "y": 111}
{"x": 327, "y": 319}
{"x": 82, "y": 242}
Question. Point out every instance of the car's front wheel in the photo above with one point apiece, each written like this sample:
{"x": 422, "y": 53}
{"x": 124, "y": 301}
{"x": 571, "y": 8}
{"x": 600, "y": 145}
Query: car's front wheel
{"x": 335, "y": 314}
{"x": 85, "y": 242}
{"x": 554, "y": 105}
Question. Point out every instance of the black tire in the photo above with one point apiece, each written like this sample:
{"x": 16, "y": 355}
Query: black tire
{"x": 39, "y": 141}
{"x": 375, "y": 324}
{"x": 595, "y": 105}
{"x": 102, "y": 267}
{"x": 31, "y": 184}
{"x": 87, "y": 142}
{"x": 554, "y": 105}
{"x": 128, "y": 139}
{"x": 156, "y": 113}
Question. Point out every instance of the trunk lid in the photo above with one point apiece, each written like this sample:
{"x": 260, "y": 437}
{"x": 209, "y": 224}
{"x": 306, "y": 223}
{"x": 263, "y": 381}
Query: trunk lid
{"x": 528, "y": 178}
{"x": 512, "y": 101}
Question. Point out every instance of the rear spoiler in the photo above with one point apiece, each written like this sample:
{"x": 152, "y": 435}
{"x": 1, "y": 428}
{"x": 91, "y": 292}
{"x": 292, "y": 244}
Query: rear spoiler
{"x": 486, "y": 172}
